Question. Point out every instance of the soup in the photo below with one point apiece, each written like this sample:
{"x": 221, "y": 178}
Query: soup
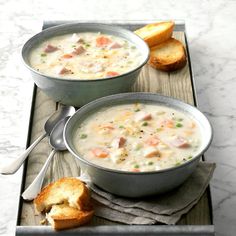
{"x": 138, "y": 137}
{"x": 85, "y": 56}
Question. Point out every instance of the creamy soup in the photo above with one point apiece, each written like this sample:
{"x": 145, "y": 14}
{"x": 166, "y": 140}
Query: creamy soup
{"x": 138, "y": 137}
{"x": 85, "y": 56}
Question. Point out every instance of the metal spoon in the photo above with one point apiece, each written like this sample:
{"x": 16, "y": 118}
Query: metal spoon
{"x": 57, "y": 142}
{"x": 64, "y": 111}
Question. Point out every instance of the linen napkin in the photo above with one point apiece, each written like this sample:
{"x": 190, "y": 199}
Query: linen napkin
{"x": 166, "y": 208}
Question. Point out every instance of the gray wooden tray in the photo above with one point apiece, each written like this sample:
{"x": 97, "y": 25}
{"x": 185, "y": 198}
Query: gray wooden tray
{"x": 179, "y": 84}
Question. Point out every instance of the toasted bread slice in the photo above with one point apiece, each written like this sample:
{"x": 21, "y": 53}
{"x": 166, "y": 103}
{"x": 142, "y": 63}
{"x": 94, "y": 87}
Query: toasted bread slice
{"x": 156, "y": 33}
{"x": 69, "y": 190}
{"x": 168, "y": 56}
{"x": 63, "y": 217}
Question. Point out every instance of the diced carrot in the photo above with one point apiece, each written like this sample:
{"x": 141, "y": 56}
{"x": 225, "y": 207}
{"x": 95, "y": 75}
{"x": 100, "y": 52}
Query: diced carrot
{"x": 67, "y": 56}
{"x": 98, "y": 152}
{"x": 135, "y": 170}
{"x": 193, "y": 125}
{"x": 169, "y": 124}
{"x": 151, "y": 152}
{"x": 111, "y": 73}
{"x": 50, "y": 48}
{"x": 102, "y": 41}
{"x": 153, "y": 141}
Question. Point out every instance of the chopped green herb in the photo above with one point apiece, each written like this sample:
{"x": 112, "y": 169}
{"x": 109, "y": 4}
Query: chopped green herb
{"x": 177, "y": 163}
{"x": 137, "y": 109}
{"x": 190, "y": 157}
{"x": 180, "y": 119}
{"x": 133, "y": 47}
{"x": 73, "y": 46}
{"x": 136, "y": 166}
{"x": 83, "y": 136}
{"x": 87, "y": 45}
{"x": 121, "y": 127}
{"x": 145, "y": 123}
{"x": 43, "y": 54}
{"x": 150, "y": 163}
{"x": 130, "y": 62}
{"x": 179, "y": 125}
{"x": 159, "y": 129}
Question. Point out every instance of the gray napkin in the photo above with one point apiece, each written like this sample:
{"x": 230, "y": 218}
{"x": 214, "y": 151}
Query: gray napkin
{"x": 166, "y": 208}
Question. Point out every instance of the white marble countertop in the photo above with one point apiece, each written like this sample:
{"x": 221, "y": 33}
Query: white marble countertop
{"x": 211, "y": 29}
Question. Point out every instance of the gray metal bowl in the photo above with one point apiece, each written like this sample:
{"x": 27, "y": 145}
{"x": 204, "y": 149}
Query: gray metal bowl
{"x": 130, "y": 184}
{"x": 79, "y": 92}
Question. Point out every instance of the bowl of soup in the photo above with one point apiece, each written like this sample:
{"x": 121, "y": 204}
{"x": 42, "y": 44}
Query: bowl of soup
{"x": 138, "y": 144}
{"x": 79, "y": 62}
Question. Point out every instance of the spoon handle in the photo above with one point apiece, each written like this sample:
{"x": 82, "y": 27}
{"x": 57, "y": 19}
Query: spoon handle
{"x": 16, "y": 164}
{"x": 35, "y": 187}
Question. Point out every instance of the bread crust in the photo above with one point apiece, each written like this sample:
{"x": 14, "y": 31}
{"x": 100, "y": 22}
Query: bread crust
{"x": 66, "y": 203}
{"x": 44, "y": 201}
{"x": 173, "y": 60}
{"x": 72, "y": 218}
{"x": 160, "y": 32}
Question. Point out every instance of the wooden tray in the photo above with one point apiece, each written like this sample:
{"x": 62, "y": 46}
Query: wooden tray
{"x": 179, "y": 84}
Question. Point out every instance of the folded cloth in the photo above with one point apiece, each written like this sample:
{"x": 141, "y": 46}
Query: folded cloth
{"x": 166, "y": 208}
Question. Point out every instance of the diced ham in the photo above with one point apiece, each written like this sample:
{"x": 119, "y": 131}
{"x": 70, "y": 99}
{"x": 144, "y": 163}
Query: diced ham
{"x": 80, "y": 40}
{"x": 118, "y": 142}
{"x": 63, "y": 71}
{"x": 50, "y": 48}
{"x": 76, "y": 39}
{"x": 179, "y": 142}
{"x": 98, "y": 152}
{"x": 79, "y": 50}
{"x": 153, "y": 141}
{"x": 114, "y": 45}
{"x": 151, "y": 152}
{"x": 141, "y": 116}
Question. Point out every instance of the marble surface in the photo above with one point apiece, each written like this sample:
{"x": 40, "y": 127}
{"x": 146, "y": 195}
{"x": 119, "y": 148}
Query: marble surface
{"x": 211, "y": 29}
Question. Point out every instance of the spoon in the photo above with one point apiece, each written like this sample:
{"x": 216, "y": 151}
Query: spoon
{"x": 64, "y": 111}
{"x": 57, "y": 142}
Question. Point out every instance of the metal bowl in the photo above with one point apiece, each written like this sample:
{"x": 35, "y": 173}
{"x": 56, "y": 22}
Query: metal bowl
{"x": 78, "y": 92}
{"x": 131, "y": 184}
